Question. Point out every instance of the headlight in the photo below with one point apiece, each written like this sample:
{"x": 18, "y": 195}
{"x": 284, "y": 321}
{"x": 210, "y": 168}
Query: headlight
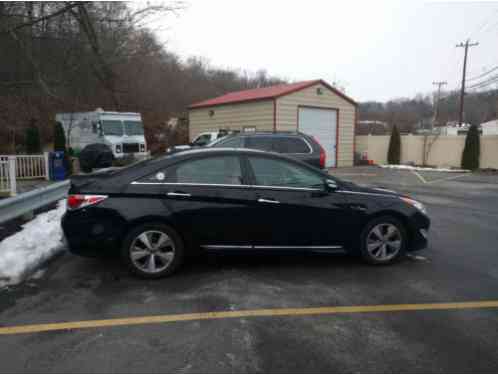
{"x": 142, "y": 147}
{"x": 415, "y": 204}
{"x": 118, "y": 149}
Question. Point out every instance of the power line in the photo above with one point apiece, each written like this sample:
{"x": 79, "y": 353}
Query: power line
{"x": 483, "y": 74}
{"x": 485, "y": 83}
{"x": 483, "y": 25}
{"x": 465, "y": 45}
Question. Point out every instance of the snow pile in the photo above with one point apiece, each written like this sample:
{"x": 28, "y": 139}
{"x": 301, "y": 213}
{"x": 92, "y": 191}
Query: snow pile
{"x": 39, "y": 239}
{"x": 427, "y": 169}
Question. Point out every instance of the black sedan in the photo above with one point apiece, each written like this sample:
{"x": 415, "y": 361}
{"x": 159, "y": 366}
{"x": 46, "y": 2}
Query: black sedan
{"x": 157, "y": 212}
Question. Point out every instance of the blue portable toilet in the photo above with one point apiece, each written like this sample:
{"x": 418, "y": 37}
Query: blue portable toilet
{"x": 57, "y": 168}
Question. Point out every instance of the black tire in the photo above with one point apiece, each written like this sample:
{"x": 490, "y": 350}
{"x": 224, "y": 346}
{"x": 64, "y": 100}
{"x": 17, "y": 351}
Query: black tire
{"x": 178, "y": 253}
{"x": 383, "y": 220}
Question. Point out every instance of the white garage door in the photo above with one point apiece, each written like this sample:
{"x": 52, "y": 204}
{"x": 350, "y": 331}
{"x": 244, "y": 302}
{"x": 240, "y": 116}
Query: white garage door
{"x": 321, "y": 124}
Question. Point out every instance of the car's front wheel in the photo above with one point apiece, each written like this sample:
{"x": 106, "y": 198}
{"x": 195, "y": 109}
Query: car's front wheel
{"x": 383, "y": 240}
{"x": 153, "y": 250}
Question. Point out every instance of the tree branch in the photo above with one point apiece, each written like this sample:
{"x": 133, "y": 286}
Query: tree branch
{"x": 44, "y": 18}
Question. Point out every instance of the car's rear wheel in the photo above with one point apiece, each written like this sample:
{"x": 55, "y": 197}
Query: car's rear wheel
{"x": 153, "y": 250}
{"x": 383, "y": 240}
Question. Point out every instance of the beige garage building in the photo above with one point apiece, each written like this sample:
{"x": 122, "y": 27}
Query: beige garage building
{"x": 312, "y": 107}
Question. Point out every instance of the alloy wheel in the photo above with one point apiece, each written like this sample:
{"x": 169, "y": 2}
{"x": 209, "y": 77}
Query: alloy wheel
{"x": 152, "y": 251}
{"x": 384, "y": 241}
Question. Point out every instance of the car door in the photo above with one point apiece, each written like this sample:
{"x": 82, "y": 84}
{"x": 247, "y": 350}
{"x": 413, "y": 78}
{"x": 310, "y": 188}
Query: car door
{"x": 207, "y": 198}
{"x": 292, "y": 206}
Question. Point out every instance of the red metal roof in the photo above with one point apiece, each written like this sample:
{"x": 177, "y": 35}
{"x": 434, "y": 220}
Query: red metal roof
{"x": 265, "y": 93}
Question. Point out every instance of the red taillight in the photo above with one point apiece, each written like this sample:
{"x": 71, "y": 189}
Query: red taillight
{"x": 75, "y": 201}
{"x": 323, "y": 156}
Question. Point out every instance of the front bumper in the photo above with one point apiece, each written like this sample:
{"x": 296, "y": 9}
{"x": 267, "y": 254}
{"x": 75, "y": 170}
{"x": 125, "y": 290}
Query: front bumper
{"x": 419, "y": 231}
{"x": 136, "y": 155}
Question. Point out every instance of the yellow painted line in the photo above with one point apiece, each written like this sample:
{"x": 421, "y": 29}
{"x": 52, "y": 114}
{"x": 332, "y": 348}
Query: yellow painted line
{"x": 158, "y": 319}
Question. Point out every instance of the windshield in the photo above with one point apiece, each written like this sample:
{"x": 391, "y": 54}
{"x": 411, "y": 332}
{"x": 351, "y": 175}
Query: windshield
{"x": 112, "y": 127}
{"x": 216, "y": 141}
{"x": 133, "y": 127}
{"x": 202, "y": 140}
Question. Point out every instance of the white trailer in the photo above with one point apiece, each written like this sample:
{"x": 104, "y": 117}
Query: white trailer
{"x": 123, "y": 132}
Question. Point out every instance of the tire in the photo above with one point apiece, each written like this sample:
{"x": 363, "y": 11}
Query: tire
{"x": 150, "y": 255}
{"x": 376, "y": 232}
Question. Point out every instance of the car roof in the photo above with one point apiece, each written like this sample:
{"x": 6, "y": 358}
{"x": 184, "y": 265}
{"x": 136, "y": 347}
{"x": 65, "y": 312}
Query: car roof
{"x": 269, "y": 133}
{"x": 221, "y": 149}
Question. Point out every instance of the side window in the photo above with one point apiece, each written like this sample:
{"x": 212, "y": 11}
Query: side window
{"x": 290, "y": 145}
{"x": 235, "y": 142}
{"x": 297, "y": 146}
{"x": 259, "y": 143}
{"x": 273, "y": 172}
{"x": 222, "y": 170}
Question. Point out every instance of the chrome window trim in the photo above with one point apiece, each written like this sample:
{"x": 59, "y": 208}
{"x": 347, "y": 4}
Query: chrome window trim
{"x": 221, "y": 247}
{"x": 304, "y": 153}
{"x": 226, "y": 185}
{"x": 188, "y": 184}
{"x": 299, "y": 247}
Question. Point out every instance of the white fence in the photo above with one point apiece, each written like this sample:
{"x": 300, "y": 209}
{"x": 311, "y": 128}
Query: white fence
{"x": 21, "y": 167}
{"x": 7, "y": 175}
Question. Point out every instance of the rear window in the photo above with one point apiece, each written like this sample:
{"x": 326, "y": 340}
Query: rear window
{"x": 290, "y": 145}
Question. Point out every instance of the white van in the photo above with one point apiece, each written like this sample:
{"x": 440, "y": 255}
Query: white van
{"x": 123, "y": 132}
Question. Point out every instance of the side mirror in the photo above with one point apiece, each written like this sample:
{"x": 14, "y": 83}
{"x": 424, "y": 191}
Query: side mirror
{"x": 99, "y": 129}
{"x": 331, "y": 185}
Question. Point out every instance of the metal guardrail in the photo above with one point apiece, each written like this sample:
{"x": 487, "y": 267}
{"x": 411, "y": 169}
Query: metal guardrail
{"x": 26, "y": 203}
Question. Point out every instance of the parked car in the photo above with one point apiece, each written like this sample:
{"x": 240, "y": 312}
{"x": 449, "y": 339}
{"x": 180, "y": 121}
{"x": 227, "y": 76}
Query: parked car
{"x": 97, "y": 155}
{"x": 298, "y": 145}
{"x": 201, "y": 140}
{"x": 156, "y": 212}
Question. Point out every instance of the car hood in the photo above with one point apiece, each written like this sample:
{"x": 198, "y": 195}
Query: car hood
{"x": 351, "y": 186}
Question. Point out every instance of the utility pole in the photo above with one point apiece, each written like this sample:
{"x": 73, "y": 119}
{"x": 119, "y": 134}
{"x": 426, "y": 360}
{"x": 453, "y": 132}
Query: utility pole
{"x": 466, "y": 45}
{"x": 438, "y": 97}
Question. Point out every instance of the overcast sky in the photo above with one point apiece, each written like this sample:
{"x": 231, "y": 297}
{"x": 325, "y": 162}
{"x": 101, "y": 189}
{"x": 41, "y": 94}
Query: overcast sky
{"x": 376, "y": 50}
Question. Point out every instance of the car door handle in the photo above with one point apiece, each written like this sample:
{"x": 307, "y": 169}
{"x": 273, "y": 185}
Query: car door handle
{"x": 265, "y": 200}
{"x": 178, "y": 194}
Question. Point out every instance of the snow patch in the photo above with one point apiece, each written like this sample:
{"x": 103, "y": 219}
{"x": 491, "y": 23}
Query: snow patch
{"x": 40, "y": 239}
{"x": 412, "y": 168}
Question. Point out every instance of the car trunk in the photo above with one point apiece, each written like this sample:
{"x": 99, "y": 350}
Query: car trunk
{"x": 93, "y": 182}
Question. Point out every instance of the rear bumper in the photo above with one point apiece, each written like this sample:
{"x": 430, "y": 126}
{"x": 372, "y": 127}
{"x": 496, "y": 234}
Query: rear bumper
{"x": 92, "y": 237}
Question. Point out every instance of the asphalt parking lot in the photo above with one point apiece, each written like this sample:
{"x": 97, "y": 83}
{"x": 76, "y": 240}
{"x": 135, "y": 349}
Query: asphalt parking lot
{"x": 461, "y": 265}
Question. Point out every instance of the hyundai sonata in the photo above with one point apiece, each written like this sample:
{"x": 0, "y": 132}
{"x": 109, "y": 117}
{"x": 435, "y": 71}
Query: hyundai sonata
{"x": 156, "y": 212}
